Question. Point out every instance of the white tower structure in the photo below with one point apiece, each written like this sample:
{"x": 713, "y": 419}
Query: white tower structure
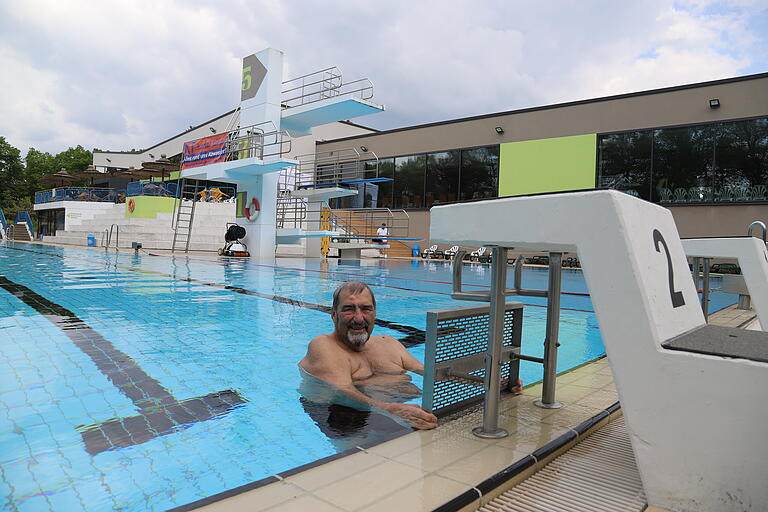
{"x": 272, "y": 110}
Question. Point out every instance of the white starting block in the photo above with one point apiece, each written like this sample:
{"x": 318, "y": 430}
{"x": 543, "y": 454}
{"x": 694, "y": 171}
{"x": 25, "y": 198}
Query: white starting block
{"x": 753, "y": 260}
{"x": 693, "y": 395}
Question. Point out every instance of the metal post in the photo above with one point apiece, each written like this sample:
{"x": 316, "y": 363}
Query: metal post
{"x": 490, "y": 428}
{"x": 705, "y": 290}
{"x": 695, "y": 271}
{"x": 553, "y": 329}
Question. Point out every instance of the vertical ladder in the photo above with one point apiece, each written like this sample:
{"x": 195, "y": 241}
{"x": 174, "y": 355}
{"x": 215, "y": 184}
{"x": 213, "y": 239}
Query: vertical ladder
{"x": 184, "y": 213}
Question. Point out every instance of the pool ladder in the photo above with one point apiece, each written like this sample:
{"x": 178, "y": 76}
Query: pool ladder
{"x": 106, "y": 236}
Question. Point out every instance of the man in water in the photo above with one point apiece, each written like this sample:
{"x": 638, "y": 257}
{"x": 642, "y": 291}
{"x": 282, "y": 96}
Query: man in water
{"x": 350, "y": 357}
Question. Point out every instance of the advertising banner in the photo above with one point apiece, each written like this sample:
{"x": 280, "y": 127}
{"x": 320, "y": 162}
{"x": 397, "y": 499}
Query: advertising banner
{"x": 207, "y": 150}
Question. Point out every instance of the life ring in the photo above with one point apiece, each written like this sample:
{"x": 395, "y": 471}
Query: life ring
{"x": 131, "y": 206}
{"x": 252, "y": 210}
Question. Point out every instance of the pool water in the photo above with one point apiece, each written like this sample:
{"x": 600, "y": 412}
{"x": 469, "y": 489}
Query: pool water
{"x": 140, "y": 382}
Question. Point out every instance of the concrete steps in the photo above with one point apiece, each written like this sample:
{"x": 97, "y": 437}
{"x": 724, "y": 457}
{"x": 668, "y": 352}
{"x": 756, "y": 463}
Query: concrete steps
{"x": 208, "y": 228}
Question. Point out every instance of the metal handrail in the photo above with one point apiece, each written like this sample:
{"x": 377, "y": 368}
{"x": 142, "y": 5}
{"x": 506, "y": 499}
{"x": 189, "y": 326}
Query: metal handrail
{"x": 117, "y": 236}
{"x": 758, "y": 224}
{"x": 259, "y": 140}
{"x": 23, "y": 216}
{"x": 97, "y": 194}
{"x": 152, "y": 188}
{"x": 320, "y": 85}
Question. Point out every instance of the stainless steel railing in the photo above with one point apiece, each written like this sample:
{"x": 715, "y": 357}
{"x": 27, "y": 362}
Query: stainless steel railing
{"x": 260, "y": 141}
{"x": 329, "y": 168}
{"x": 321, "y": 85}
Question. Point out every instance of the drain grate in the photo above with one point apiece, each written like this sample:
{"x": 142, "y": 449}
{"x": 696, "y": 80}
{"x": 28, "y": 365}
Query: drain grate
{"x": 597, "y": 474}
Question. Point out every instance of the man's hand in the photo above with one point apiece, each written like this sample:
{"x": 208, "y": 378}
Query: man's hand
{"x": 412, "y": 413}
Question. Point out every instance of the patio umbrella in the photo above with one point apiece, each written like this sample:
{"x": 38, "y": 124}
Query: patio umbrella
{"x": 59, "y": 178}
{"x": 90, "y": 172}
{"x": 162, "y": 164}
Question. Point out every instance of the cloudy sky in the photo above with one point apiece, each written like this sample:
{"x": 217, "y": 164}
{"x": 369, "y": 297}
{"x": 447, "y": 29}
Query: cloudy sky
{"x": 122, "y": 74}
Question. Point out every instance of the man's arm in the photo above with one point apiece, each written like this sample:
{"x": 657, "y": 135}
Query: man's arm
{"x": 328, "y": 363}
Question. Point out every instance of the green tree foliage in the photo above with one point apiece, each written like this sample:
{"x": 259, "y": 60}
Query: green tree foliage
{"x": 20, "y": 179}
{"x": 11, "y": 174}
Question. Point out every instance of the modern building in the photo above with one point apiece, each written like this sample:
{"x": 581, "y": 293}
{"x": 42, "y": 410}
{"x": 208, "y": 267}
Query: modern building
{"x": 699, "y": 149}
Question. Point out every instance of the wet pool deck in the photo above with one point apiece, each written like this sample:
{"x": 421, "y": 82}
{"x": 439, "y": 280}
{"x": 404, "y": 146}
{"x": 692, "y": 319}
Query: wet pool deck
{"x": 427, "y": 469}
{"x": 424, "y": 470}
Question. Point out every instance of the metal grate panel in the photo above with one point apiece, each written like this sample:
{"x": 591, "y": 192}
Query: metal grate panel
{"x": 597, "y": 474}
{"x": 458, "y": 339}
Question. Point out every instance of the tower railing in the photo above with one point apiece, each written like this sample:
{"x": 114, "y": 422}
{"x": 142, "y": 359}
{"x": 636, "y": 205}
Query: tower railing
{"x": 260, "y": 141}
{"x": 331, "y": 168}
{"x": 321, "y": 85}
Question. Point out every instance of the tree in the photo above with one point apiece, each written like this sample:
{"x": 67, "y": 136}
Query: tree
{"x": 74, "y": 160}
{"x": 11, "y": 173}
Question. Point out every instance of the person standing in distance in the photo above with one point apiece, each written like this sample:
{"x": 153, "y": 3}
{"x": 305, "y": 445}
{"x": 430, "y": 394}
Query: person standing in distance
{"x": 382, "y": 234}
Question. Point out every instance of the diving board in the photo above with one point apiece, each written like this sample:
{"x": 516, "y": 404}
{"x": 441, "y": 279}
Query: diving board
{"x": 697, "y": 421}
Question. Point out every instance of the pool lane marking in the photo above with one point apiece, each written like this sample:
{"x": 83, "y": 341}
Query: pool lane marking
{"x": 160, "y": 413}
{"x": 413, "y": 335}
{"x": 299, "y": 269}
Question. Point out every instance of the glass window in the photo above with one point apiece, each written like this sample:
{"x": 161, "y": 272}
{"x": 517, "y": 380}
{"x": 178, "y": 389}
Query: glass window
{"x": 442, "y": 181}
{"x": 409, "y": 181}
{"x": 384, "y": 189}
{"x": 479, "y": 175}
{"x": 683, "y": 161}
{"x": 741, "y": 156}
{"x": 625, "y": 162}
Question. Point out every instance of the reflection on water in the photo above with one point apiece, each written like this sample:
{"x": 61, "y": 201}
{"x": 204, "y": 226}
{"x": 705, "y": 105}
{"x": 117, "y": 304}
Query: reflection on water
{"x": 348, "y": 423}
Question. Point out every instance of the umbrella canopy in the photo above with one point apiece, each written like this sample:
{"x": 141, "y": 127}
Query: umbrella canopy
{"x": 89, "y": 172}
{"x": 163, "y": 165}
{"x": 133, "y": 173}
{"x": 57, "y": 178}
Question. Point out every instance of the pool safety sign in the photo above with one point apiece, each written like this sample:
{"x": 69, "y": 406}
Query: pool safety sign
{"x": 208, "y": 150}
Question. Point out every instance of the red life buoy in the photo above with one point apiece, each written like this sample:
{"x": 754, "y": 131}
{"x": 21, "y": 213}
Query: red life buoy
{"x": 252, "y": 210}
{"x": 131, "y": 206}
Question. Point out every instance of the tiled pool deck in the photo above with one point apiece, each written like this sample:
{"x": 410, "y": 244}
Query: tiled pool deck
{"x": 426, "y": 469}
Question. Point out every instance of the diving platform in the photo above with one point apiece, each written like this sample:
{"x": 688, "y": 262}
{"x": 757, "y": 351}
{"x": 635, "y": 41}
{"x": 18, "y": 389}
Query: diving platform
{"x": 693, "y": 400}
{"x": 234, "y": 170}
{"x": 295, "y": 235}
{"x": 299, "y": 121}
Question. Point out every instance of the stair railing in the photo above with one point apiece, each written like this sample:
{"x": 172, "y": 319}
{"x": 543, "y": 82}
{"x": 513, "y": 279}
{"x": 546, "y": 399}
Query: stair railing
{"x": 3, "y": 224}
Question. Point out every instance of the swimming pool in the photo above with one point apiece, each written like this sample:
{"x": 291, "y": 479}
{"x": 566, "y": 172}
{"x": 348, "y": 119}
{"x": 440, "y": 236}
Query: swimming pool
{"x": 138, "y": 382}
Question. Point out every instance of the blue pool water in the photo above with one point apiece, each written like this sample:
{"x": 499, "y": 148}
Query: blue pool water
{"x": 92, "y": 342}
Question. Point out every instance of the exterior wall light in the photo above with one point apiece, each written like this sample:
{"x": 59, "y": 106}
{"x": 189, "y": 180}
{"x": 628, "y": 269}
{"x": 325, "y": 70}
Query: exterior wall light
{"x": 714, "y": 103}
{"x": 364, "y": 149}
{"x": 499, "y": 130}
{"x": 213, "y": 130}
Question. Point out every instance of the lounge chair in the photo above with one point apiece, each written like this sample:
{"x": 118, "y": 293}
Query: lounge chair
{"x": 429, "y": 253}
{"x": 480, "y": 256}
{"x": 450, "y": 253}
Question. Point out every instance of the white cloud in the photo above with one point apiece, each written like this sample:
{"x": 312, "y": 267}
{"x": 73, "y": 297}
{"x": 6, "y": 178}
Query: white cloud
{"x": 118, "y": 74}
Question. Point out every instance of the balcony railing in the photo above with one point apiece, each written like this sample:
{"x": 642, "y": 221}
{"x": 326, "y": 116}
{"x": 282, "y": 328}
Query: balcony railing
{"x": 107, "y": 195}
{"x": 152, "y": 188}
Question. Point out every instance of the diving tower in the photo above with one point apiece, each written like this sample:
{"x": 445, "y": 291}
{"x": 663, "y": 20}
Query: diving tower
{"x": 692, "y": 394}
{"x": 253, "y": 153}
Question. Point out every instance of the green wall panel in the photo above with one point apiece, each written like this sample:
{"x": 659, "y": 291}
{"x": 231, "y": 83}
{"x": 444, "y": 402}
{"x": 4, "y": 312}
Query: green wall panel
{"x": 147, "y": 207}
{"x": 547, "y": 165}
